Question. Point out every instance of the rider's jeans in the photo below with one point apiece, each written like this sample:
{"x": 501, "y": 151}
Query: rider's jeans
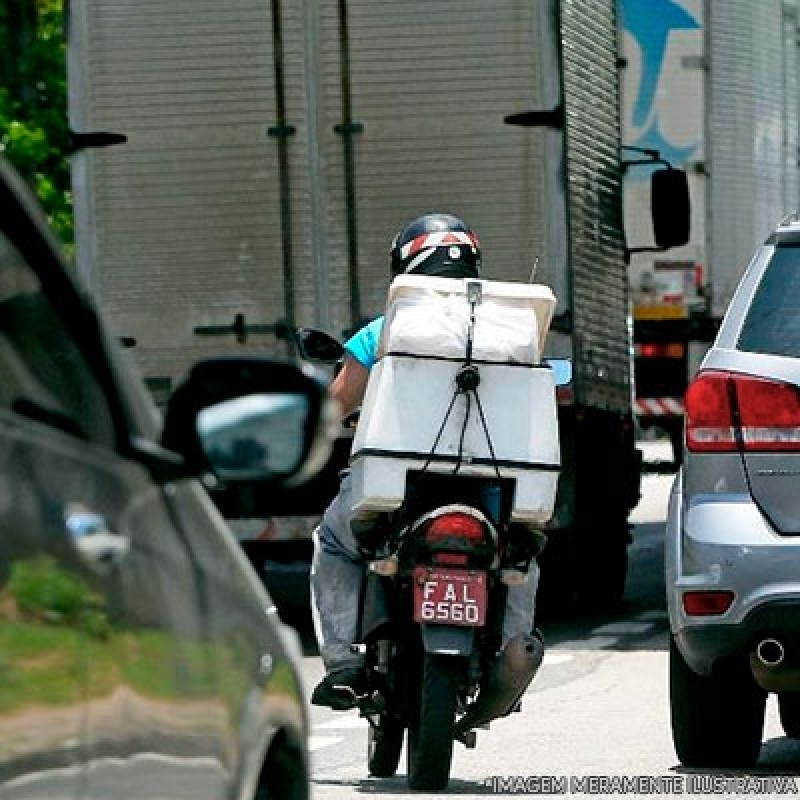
{"x": 337, "y": 571}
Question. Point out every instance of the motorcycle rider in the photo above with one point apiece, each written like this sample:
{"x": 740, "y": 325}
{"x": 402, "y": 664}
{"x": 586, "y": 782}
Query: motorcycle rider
{"x": 438, "y": 245}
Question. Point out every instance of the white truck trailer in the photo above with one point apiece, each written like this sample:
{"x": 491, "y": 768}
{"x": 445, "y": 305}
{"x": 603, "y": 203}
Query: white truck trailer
{"x": 713, "y": 86}
{"x": 268, "y": 151}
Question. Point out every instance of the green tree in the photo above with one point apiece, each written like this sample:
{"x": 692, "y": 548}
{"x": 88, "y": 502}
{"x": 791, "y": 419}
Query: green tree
{"x": 33, "y": 102}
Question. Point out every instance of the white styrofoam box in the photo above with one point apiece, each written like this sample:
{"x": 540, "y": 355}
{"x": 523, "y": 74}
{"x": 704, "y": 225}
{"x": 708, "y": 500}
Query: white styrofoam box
{"x": 378, "y": 484}
{"x": 430, "y": 316}
{"x": 405, "y": 405}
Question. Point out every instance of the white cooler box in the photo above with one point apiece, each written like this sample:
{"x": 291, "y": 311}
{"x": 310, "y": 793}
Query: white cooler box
{"x": 412, "y": 386}
{"x": 430, "y": 317}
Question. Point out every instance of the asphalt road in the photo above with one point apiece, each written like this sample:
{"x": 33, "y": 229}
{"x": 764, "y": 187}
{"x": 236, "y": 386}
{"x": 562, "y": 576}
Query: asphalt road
{"x": 597, "y": 711}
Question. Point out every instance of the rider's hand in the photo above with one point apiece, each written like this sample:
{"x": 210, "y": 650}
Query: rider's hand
{"x": 349, "y": 385}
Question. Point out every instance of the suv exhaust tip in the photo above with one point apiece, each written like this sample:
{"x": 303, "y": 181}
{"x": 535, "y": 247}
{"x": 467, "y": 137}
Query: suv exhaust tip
{"x": 771, "y": 669}
{"x": 770, "y": 653}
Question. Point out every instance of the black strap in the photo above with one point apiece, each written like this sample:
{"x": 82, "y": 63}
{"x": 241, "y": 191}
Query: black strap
{"x": 459, "y": 360}
{"x": 444, "y": 458}
{"x": 431, "y": 455}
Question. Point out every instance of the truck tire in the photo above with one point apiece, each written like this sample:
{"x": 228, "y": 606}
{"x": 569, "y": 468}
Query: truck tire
{"x": 789, "y": 710}
{"x": 604, "y": 568}
{"x": 384, "y": 746}
{"x": 430, "y": 730}
{"x": 675, "y": 433}
{"x": 717, "y": 720}
{"x": 556, "y": 592}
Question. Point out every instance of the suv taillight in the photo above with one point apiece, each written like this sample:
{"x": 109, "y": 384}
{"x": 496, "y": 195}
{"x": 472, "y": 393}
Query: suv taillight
{"x": 726, "y": 411}
{"x": 709, "y": 415}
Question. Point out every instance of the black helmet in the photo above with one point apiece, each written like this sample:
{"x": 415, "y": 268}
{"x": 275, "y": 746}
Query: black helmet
{"x": 439, "y": 245}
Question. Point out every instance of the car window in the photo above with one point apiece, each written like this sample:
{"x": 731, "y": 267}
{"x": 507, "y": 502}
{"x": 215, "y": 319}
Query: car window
{"x": 43, "y": 373}
{"x": 772, "y": 323}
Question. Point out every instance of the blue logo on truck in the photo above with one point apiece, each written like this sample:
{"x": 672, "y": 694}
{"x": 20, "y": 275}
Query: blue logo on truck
{"x": 651, "y": 23}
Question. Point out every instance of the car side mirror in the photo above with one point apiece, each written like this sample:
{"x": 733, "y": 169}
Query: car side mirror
{"x": 562, "y": 370}
{"x": 315, "y": 345}
{"x": 251, "y": 420}
{"x": 670, "y": 207}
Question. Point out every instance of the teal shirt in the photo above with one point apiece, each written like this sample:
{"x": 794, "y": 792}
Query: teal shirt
{"x": 363, "y": 346}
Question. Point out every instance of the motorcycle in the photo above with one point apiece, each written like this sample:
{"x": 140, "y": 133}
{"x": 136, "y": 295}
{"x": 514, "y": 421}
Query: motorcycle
{"x": 431, "y": 625}
{"x": 431, "y": 613}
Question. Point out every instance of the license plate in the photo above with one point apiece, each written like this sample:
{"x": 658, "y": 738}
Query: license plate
{"x": 449, "y": 596}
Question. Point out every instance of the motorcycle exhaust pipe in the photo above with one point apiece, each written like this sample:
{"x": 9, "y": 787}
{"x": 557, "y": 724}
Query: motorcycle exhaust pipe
{"x": 509, "y": 676}
{"x": 770, "y": 653}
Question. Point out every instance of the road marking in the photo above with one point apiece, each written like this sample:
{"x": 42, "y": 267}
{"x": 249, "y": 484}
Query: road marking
{"x": 657, "y": 615}
{"x": 319, "y": 742}
{"x": 623, "y": 628}
{"x": 345, "y": 722}
{"x": 553, "y": 658}
{"x": 595, "y": 643}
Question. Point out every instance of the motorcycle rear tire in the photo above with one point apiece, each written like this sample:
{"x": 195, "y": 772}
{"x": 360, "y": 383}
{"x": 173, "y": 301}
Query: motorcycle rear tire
{"x": 384, "y": 748}
{"x": 430, "y": 731}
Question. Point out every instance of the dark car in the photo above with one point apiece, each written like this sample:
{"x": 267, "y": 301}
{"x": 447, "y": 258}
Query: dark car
{"x": 733, "y": 528}
{"x": 140, "y": 655}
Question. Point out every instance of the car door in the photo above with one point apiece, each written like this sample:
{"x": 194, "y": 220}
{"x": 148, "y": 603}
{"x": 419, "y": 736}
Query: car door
{"x": 43, "y": 590}
{"x": 114, "y": 689}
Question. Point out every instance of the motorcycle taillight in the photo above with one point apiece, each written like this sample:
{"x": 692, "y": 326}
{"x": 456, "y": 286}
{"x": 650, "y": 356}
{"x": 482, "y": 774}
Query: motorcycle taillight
{"x": 451, "y": 559}
{"x": 455, "y": 525}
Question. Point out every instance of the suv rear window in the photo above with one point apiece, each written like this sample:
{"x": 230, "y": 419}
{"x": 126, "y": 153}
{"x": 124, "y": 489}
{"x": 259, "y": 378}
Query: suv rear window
{"x": 772, "y": 324}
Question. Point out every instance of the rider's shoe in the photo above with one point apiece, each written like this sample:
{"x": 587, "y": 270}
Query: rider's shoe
{"x": 340, "y": 689}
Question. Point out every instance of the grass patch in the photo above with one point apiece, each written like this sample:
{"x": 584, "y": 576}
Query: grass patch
{"x": 39, "y": 665}
{"x": 43, "y": 664}
{"x": 54, "y": 633}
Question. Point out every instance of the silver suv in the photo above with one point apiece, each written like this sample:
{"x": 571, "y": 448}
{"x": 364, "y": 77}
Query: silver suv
{"x": 733, "y": 528}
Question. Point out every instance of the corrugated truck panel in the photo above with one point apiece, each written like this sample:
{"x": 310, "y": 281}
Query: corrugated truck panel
{"x": 751, "y": 170}
{"x": 185, "y": 216}
{"x": 431, "y": 84}
{"x": 791, "y": 104}
{"x": 599, "y": 277}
